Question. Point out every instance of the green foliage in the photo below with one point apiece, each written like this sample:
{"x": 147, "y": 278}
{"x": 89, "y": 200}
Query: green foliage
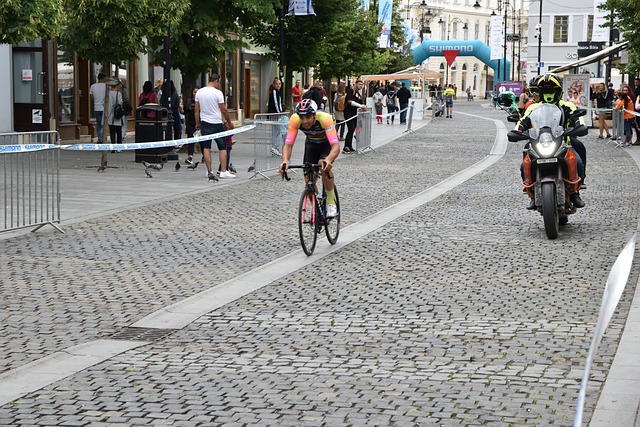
{"x": 29, "y": 20}
{"x": 626, "y": 17}
{"x": 203, "y": 33}
{"x": 117, "y": 30}
{"x": 337, "y": 41}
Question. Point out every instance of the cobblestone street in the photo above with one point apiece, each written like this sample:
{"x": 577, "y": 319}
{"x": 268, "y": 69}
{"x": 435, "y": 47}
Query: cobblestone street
{"x": 460, "y": 312}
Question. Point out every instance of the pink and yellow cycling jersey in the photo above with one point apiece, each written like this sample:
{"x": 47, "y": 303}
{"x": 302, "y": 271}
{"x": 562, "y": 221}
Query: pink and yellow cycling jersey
{"x": 323, "y": 130}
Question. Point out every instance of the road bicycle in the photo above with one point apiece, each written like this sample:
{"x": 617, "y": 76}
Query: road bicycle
{"x": 312, "y": 210}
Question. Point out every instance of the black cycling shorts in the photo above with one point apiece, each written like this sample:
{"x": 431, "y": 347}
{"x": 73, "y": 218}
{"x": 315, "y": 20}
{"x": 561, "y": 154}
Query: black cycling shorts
{"x": 314, "y": 152}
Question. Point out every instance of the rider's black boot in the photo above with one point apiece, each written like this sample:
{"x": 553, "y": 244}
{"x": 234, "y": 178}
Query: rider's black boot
{"x": 532, "y": 204}
{"x": 577, "y": 201}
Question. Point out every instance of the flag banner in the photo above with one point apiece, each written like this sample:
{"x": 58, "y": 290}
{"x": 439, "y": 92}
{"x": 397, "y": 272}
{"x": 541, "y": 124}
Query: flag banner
{"x": 450, "y": 55}
{"x": 384, "y": 15}
{"x": 600, "y": 33}
{"x": 496, "y": 37}
{"x": 301, "y": 7}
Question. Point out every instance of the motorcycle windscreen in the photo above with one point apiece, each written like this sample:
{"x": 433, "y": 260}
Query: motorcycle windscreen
{"x": 549, "y": 116}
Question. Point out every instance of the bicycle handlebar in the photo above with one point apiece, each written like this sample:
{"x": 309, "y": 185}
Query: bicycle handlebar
{"x": 316, "y": 167}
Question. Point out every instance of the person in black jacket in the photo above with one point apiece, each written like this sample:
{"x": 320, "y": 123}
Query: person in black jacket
{"x": 274, "y": 108}
{"x": 355, "y": 100}
{"x": 190, "y": 124}
{"x": 403, "y": 99}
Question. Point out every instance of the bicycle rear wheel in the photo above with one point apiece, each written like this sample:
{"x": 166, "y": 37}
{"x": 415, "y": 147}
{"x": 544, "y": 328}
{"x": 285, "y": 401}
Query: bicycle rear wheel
{"x": 332, "y": 226}
{"x": 308, "y": 222}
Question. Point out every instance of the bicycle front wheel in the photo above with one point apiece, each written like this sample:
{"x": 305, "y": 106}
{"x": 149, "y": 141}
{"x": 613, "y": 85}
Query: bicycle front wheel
{"x": 308, "y": 222}
{"x": 332, "y": 226}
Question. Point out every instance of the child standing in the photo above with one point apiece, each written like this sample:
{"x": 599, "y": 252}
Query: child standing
{"x": 377, "y": 101}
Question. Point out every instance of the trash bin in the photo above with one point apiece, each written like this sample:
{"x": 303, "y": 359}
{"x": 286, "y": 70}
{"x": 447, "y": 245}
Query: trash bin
{"x": 152, "y": 121}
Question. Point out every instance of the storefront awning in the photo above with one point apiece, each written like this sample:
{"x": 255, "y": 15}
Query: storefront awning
{"x": 410, "y": 73}
{"x": 603, "y": 54}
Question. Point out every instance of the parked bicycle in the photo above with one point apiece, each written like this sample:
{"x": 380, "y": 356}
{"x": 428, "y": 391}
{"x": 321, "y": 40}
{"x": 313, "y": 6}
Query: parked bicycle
{"x": 312, "y": 217}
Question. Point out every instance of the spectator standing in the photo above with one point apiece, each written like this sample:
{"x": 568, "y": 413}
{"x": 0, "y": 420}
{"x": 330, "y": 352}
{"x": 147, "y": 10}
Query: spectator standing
{"x": 600, "y": 98}
{"x": 611, "y": 95}
{"x": 116, "y": 97}
{"x": 211, "y": 117}
{"x": 323, "y": 94}
{"x": 625, "y": 103}
{"x": 190, "y": 124}
{"x": 392, "y": 104}
{"x": 636, "y": 99}
{"x": 296, "y": 93}
{"x": 403, "y": 96}
{"x": 158, "y": 89}
{"x": 354, "y": 101}
{"x": 338, "y": 109}
{"x": 449, "y": 94}
{"x": 176, "y": 108}
{"x": 522, "y": 100}
{"x": 98, "y": 93}
{"x": 274, "y": 108}
{"x": 148, "y": 96}
{"x": 469, "y": 94}
{"x": 378, "y": 98}
{"x": 314, "y": 93}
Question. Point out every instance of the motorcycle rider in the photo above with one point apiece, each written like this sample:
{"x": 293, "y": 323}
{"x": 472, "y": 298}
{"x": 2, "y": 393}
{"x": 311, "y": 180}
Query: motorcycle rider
{"x": 550, "y": 92}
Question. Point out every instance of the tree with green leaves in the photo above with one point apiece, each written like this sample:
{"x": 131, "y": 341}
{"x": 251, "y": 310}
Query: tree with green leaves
{"x": 626, "y": 18}
{"x": 29, "y": 20}
{"x": 203, "y": 34}
{"x": 337, "y": 41}
{"x": 116, "y": 31}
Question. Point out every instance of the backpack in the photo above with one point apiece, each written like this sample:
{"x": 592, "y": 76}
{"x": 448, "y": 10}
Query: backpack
{"x": 391, "y": 99}
{"x": 118, "y": 110}
{"x": 126, "y": 105}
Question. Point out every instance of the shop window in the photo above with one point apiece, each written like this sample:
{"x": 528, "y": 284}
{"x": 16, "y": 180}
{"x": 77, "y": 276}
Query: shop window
{"x": 66, "y": 86}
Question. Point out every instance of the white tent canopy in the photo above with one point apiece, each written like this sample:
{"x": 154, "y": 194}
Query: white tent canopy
{"x": 411, "y": 73}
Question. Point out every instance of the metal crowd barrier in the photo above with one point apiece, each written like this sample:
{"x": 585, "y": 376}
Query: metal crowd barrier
{"x": 269, "y": 132}
{"x": 362, "y": 135}
{"x": 617, "y": 128}
{"x": 30, "y": 180}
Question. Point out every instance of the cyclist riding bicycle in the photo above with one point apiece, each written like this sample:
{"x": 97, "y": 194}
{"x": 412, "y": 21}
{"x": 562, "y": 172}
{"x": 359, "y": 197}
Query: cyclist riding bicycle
{"x": 321, "y": 145}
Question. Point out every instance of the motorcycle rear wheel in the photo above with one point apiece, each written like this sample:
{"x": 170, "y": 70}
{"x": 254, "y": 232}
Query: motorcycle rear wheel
{"x": 550, "y": 210}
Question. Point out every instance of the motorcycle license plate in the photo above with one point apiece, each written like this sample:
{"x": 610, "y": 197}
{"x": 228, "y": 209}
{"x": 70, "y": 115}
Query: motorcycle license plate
{"x": 551, "y": 160}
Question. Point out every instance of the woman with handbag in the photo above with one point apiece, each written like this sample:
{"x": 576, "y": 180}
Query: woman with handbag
{"x": 117, "y": 119}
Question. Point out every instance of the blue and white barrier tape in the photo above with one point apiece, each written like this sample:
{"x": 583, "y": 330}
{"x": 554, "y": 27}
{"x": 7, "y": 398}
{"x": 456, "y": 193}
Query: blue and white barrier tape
{"x": 4, "y": 149}
{"x": 22, "y": 148}
{"x": 156, "y": 144}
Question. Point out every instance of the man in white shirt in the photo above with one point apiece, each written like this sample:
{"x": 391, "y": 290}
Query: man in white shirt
{"x": 98, "y": 92}
{"x": 212, "y": 117}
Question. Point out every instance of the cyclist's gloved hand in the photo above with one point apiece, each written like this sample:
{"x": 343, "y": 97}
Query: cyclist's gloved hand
{"x": 283, "y": 168}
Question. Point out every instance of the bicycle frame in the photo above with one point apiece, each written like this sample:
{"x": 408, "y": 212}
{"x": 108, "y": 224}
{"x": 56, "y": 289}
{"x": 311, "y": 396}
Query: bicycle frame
{"x": 315, "y": 219}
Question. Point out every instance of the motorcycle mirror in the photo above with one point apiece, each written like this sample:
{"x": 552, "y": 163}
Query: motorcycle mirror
{"x": 513, "y": 118}
{"x": 515, "y": 136}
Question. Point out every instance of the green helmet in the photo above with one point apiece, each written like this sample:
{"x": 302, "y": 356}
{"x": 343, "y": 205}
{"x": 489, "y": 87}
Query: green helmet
{"x": 550, "y": 88}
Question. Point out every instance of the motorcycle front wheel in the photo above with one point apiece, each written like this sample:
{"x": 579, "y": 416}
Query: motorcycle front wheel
{"x": 550, "y": 210}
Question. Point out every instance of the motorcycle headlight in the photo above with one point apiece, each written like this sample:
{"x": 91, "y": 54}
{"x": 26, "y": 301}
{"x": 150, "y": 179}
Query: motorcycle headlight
{"x": 546, "y": 146}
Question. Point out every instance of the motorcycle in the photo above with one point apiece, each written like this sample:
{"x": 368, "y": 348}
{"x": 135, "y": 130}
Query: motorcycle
{"x": 550, "y": 166}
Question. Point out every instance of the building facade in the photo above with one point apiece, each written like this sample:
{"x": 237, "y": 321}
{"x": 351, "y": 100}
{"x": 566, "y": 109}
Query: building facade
{"x": 48, "y": 87}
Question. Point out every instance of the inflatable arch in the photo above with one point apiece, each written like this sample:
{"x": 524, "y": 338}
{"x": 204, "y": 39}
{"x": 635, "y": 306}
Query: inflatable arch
{"x": 475, "y": 48}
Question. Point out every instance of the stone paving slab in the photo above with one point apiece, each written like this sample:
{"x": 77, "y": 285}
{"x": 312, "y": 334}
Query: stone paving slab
{"x": 446, "y": 316}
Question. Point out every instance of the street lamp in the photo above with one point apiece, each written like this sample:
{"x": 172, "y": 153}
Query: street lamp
{"x": 448, "y": 24}
{"x": 425, "y": 17}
